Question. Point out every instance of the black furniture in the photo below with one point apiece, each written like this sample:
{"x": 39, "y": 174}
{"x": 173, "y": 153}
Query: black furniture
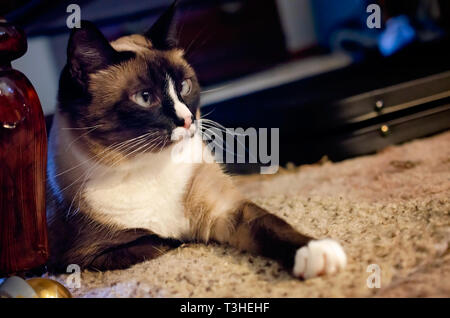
{"x": 354, "y": 111}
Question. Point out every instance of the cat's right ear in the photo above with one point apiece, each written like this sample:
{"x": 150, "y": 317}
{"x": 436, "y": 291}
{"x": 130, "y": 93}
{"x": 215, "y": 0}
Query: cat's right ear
{"x": 88, "y": 51}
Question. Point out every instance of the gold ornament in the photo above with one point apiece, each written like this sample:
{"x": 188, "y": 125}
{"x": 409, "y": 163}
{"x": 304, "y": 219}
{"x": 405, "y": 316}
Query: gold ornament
{"x": 47, "y": 288}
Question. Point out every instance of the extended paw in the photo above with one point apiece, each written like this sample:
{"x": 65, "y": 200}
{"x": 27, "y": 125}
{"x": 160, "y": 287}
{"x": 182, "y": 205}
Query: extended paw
{"x": 319, "y": 257}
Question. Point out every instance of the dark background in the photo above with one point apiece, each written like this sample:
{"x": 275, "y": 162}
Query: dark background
{"x": 311, "y": 68}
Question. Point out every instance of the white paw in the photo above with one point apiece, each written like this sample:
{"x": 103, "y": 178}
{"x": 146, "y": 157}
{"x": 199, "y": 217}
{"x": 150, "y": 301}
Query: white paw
{"x": 319, "y": 257}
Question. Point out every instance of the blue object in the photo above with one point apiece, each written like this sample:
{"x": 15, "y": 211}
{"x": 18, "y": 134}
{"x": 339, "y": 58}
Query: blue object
{"x": 332, "y": 15}
{"x": 398, "y": 34}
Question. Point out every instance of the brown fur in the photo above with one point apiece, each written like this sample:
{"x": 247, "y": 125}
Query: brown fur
{"x": 218, "y": 212}
{"x": 215, "y": 209}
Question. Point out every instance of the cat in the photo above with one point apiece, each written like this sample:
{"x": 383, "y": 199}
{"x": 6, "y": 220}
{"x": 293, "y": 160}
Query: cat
{"x": 115, "y": 195}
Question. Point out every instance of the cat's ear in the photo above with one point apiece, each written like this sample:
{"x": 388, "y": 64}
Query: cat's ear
{"x": 88, "y": 51}
{"x": 163, "y": 32}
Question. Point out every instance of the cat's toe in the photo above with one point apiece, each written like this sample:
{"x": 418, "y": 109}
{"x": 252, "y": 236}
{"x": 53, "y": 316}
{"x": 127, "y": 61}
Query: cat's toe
{"x": 319, "y": 257}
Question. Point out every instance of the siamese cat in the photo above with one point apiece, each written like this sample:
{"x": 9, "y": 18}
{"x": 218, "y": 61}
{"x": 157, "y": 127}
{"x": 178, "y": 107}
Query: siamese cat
{"x": 116, "y": 196}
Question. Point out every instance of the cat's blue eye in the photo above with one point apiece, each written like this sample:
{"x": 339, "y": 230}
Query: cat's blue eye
{"x": 186, "y": 87}
{"x": 142, "y": 98}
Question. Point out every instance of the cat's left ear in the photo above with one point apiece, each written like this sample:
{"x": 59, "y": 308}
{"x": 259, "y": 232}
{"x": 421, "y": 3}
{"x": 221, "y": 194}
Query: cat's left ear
{"x": 88, "y": 51}
{"x": 163, "y": 32}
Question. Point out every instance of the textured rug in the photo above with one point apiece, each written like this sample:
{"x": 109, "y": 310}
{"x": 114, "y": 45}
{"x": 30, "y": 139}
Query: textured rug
{"x": 391, "y": 209}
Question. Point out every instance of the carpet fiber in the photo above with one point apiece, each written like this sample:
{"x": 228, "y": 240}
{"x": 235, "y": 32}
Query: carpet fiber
{"x": 391, "y": 209}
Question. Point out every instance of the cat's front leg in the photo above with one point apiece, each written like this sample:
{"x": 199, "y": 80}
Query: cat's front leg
{"x": 254, "y": 229}
{"x": 217, "y": 211}
{"x": 126, "y": 255}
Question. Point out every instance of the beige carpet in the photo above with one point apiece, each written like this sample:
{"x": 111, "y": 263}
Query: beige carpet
{"x": 391, "y": 209}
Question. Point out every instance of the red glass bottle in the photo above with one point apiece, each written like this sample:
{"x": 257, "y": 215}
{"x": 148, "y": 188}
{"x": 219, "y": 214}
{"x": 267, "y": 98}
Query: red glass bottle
{"x": 23, "y": 156}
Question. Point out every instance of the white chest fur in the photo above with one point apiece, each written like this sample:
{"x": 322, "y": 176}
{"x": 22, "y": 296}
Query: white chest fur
{"x": 145, "y": 193}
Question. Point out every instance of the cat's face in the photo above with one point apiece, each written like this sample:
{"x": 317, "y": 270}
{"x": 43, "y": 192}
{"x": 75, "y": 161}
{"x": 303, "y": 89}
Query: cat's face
{"x": 137, "y": 91}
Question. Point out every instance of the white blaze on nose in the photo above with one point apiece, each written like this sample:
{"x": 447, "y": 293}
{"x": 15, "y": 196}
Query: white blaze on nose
{"x": 180, "y": 109}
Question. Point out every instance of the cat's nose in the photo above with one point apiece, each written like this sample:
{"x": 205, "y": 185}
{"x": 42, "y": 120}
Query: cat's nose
{"x": 188, "y": 122}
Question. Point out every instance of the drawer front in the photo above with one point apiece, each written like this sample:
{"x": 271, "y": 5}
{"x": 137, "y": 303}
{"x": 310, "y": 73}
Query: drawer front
{"x": 392, "y": 99}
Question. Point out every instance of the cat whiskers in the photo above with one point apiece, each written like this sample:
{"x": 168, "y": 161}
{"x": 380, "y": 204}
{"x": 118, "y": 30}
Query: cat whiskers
{"x": 137, "y": 142}
{"x": 81, "y": 128}
{"x": 124, "y": 146}
{"x": 86, "y": 176}
{"x": 208, "y": 113}
{"x": 111, "y": 147}
{"x": 154, "y": 145}
{"x": 207, "y": 91}
{"x": 82, "y": 135}
{"x": 210, "y": 124}
{"x": 90, "y": 172}
{"x": 134, "y": 151}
